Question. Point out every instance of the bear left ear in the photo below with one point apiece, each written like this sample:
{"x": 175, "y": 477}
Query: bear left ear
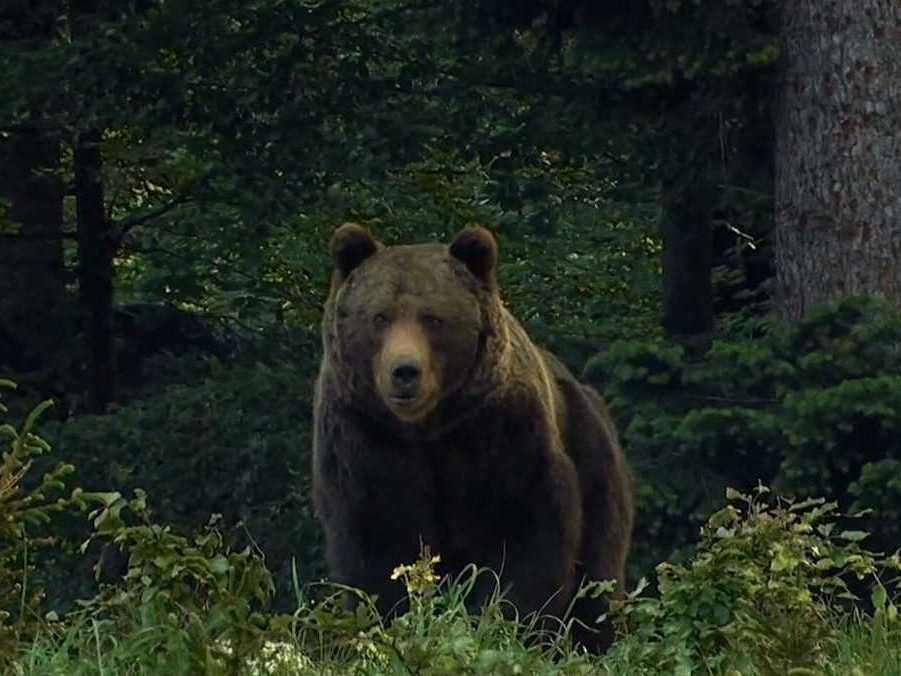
{"x": 351, "y": 245}
{"x": 476, "y": 247}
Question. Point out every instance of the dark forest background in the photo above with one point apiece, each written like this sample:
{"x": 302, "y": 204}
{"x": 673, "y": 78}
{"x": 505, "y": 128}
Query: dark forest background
{"x": 170, "y": 173}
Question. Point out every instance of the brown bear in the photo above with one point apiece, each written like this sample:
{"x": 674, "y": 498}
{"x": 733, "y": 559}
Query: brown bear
{"x": 438, "y": 422}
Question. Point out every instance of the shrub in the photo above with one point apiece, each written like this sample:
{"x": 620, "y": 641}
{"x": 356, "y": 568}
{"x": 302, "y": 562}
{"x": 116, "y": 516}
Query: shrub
{"x": 759, "y": 596}
{"x": 812, "y": 408}
{"x": 25, "y": 510}
{"x": 185, "y": 605}
{"x": 235, "y": 441}
{"x": 437, "y": 634}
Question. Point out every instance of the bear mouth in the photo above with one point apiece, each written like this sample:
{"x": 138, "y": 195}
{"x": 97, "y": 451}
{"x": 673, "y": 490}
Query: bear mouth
{"x": 404, "y": 400}
{"x": 408, "y": 408}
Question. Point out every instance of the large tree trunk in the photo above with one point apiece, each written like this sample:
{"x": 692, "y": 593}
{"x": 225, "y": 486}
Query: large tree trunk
{"x": 838, "y": 153}
{"x": 96, "y": 249}
{"x": 32, "y": 272}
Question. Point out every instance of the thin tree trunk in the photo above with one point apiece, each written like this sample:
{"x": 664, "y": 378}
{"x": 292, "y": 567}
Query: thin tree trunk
{"x": 97, "y": 244}
{"x": 96, "y": 249}
{"x": 687, "y": 152}
{"x": 838, "y": 153}
{"x": 687, "y": 254}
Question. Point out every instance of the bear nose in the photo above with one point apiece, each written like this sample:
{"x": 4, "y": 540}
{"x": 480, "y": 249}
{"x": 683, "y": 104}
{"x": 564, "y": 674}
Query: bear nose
{"x": 405, "y": 376}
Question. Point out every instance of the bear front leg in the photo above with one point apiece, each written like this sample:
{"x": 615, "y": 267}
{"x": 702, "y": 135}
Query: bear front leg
{"x": 359, "y": 558}
{"x": 375, "y": 505}
{"x": 543, "y": 543}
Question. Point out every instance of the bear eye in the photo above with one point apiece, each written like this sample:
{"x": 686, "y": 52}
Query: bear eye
{"x": 379, "y": 319}
{"x": 433, "y": 321}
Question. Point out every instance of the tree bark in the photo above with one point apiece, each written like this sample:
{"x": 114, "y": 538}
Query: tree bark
{"x": 687, "y": 258}
{"x": 97, "y": 243}
{"x": 96, "y": 249}
{"x": 838, "y": 153}
{"x": 32, "y": 272}
{"x": 32, "y": 269}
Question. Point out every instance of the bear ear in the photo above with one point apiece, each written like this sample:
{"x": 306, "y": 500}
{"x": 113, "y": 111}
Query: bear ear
{"x": 476, "y": 247}
{"x": 351, "y": 245}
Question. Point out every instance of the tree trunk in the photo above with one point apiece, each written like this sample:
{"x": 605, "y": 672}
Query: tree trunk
{"x": 32, "y": 272}
{"x": 96, "y": 248}
{"x": 687, "y": 255}
{"x": 838, "y": 153}
{"x": 97, "y": 244}
{"x": 687, "y": 153}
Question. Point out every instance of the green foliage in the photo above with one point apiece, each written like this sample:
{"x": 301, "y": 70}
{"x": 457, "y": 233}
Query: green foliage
{"x": 879, "y": 489}
{"x": 235, "y": 441}
{"x": 760, "y": 594}
{"x": 228, "y": 158}
{"x": 189, "y": 605}
{"x": 437, "y": 635}
{"x": 760, "y": 597}
{"x": 595, "y": 277}
{"x": 26, "y": 508}
{"x": 812, "y": 408}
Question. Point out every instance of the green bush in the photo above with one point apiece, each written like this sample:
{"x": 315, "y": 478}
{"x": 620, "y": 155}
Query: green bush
{"x": 761, "y": 595}
{"x": 437, "y": 635}
{"x": 235, "y": 441}
{"x": 26, "y": 507}
{"x": 812, "y": 408}
{"x": 185, "y": 605}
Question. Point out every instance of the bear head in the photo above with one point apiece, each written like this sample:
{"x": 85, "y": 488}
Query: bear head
{"x": 406, "y": 327}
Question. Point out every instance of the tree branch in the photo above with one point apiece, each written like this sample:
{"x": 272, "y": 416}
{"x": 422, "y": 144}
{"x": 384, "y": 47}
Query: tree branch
{"x": 39, "y": 237}
{"x": 734, "y": 401}
{"x": 127, "y": 224}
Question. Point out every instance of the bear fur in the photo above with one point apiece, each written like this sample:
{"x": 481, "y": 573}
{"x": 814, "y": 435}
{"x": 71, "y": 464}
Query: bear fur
{"x": 438, "y": 422}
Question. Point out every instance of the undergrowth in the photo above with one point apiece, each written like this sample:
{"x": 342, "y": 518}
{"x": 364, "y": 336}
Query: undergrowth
{"x": 772, "y": 588}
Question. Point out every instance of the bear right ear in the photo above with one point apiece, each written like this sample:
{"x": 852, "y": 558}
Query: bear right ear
{"x": 351, "y": 245}
{"x": 476, "y": 247}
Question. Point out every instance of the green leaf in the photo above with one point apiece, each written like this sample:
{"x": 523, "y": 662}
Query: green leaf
{"x": 36, "y": 413}
{"x": 732, "y": 494}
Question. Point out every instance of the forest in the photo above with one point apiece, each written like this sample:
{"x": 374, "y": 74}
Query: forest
{"x": 698, "y": 208}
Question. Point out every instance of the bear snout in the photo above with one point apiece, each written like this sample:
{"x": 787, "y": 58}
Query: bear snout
{"x": 404, "y": 373}
{"x": 406, "y": 376}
